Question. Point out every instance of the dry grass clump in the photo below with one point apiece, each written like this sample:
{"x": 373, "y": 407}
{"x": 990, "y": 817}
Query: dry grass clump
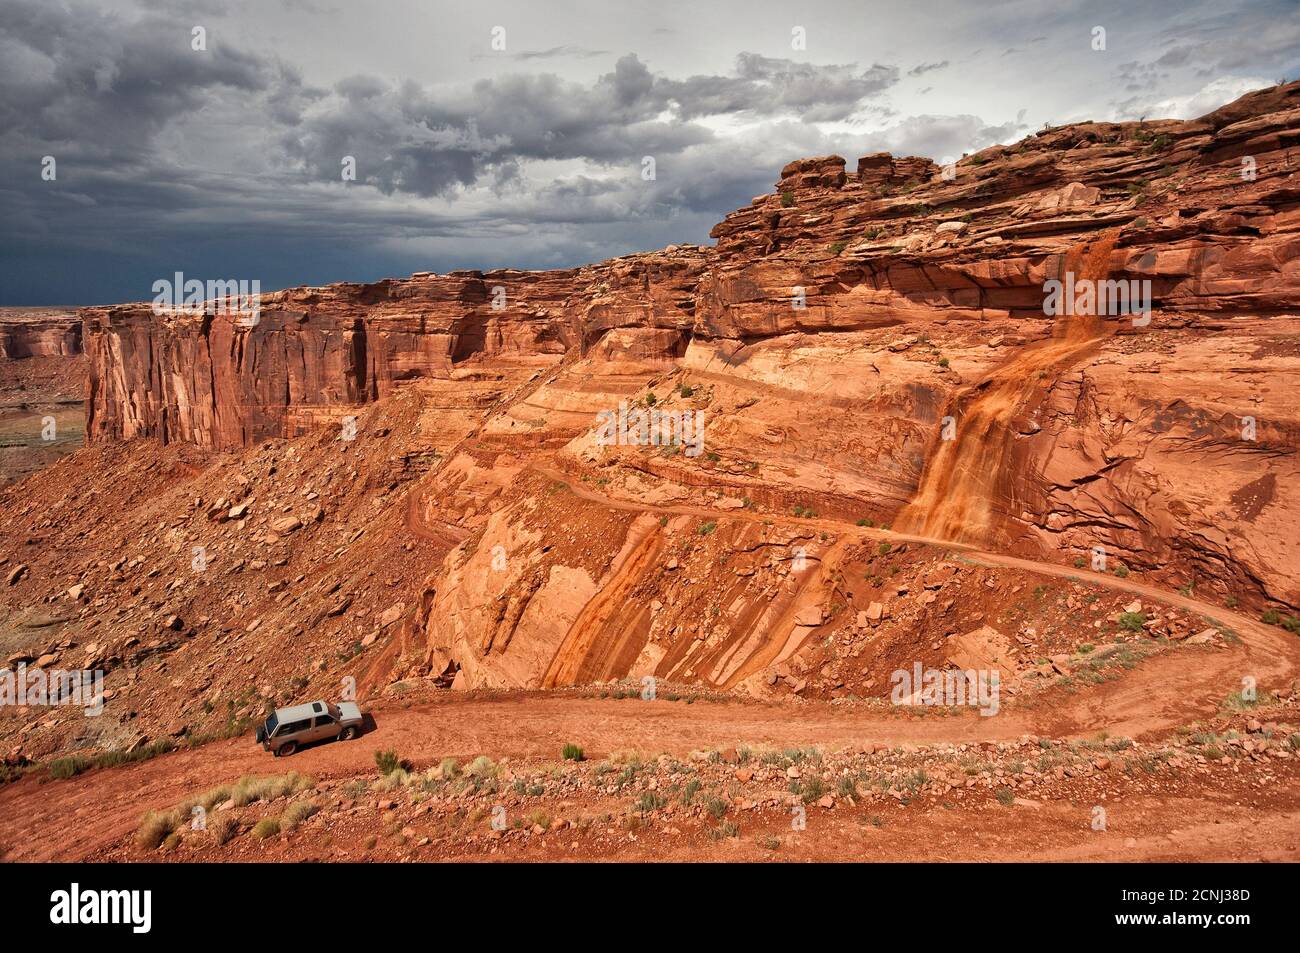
{"x": 162, "y": 827}
{"x": 298, "y": 812}
{"x": 157, "y": 826}
{"x": 252, "y": 788}
{"x": 222, "y": 828}
{"x": 397, "y": 778}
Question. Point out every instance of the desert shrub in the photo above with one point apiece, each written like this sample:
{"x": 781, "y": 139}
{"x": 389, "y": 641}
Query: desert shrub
{"x": 387, "y": 761}
{"x": 298, "y": 812}
{"x": 1245, "y": 701}
{"x": 61, "y": 769}
{"x": 650, "y": 801}
{"x": 812, "y": 788}
{"x": 252, "y": 788}
{"x": 572, "y": 752}
{"x": 223, "y": 828}
{"x": 393, "y": 780}
{"x": 266, "y": 827}
{"x": 155, "y": 828}
{"x": 1005, "y": 796}
{"x": 1132, "y": 621}
{"x": 787, "y": 198}
{"x": 111, "y": 759}
{"x": 481, "y": 767}
{"x": 214, "y": 796}
{"x": 725, "y": 829}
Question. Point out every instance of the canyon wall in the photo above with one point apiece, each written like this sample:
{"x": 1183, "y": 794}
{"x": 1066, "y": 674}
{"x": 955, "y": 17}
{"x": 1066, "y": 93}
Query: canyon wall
{"x": 224, "y": 380}
{"x": 39, "y": 332}
{"x": 844, "y": 317}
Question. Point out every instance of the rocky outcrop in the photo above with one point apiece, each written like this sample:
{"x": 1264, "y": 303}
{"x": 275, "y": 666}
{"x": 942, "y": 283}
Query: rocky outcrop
{"x": 223, "y": 380}
{"x": 848, "y": 324}
{"x": 39, "y": 332}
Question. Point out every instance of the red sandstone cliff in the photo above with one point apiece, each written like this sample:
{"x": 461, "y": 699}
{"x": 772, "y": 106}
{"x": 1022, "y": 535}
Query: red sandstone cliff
{"x": 212, "y": 381}
{"x": 39, "y": 332}
{"x": 918, "y": 288}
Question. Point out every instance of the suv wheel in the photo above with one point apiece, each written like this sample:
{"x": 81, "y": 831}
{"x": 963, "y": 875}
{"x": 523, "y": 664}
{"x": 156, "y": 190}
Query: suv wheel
{"x": 286, "y": 749}
{"x": 348, "y": 733}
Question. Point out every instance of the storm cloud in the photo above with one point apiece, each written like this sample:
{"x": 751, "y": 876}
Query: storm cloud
{"x": 229, "y": 159}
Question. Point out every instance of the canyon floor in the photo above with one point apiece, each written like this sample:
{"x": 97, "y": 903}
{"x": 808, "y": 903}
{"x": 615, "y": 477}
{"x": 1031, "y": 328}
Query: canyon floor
{"x": 884, "y": 456}
{"x": 1152, "y": 725}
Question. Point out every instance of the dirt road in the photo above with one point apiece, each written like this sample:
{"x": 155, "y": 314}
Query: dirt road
{"x": 73, "y": 819}
{"x": 1238, "y": 623}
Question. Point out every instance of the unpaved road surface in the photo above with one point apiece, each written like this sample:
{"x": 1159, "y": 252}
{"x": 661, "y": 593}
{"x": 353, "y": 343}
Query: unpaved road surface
{"x": 74, "y": 819}
{"x": 47, "y": 820}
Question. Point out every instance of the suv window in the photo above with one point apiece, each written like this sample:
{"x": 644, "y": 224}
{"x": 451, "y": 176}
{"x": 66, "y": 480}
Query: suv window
{"x": 323, "y": 720}
{"x": 293, "y": 728}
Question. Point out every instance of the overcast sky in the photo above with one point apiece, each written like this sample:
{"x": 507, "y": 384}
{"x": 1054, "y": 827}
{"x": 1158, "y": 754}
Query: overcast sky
{"x": 227, "y": 162}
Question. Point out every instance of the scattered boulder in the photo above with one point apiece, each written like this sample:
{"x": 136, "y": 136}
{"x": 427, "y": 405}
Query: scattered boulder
{"x": 286, "y": 525}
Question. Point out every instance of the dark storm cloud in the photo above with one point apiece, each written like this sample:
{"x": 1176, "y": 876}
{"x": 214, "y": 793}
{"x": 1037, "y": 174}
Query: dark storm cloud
{"x": 767, "y": 85}
{"x": 71, "y": 75}
{"x": 1264, "y": 36}
{"x": 229, "y": 160}
{"x": 167, "y": 151}
{"x": 430, "y": 141}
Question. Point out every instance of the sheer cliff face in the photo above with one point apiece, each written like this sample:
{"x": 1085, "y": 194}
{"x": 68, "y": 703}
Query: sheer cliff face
{"x": 39, "y": 332}
{"x": 224, "y": 381}
{"x": 872, "y": 337}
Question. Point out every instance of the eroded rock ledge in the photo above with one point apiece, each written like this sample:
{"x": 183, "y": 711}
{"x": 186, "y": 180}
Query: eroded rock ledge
{"x": 848, "y": 312}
